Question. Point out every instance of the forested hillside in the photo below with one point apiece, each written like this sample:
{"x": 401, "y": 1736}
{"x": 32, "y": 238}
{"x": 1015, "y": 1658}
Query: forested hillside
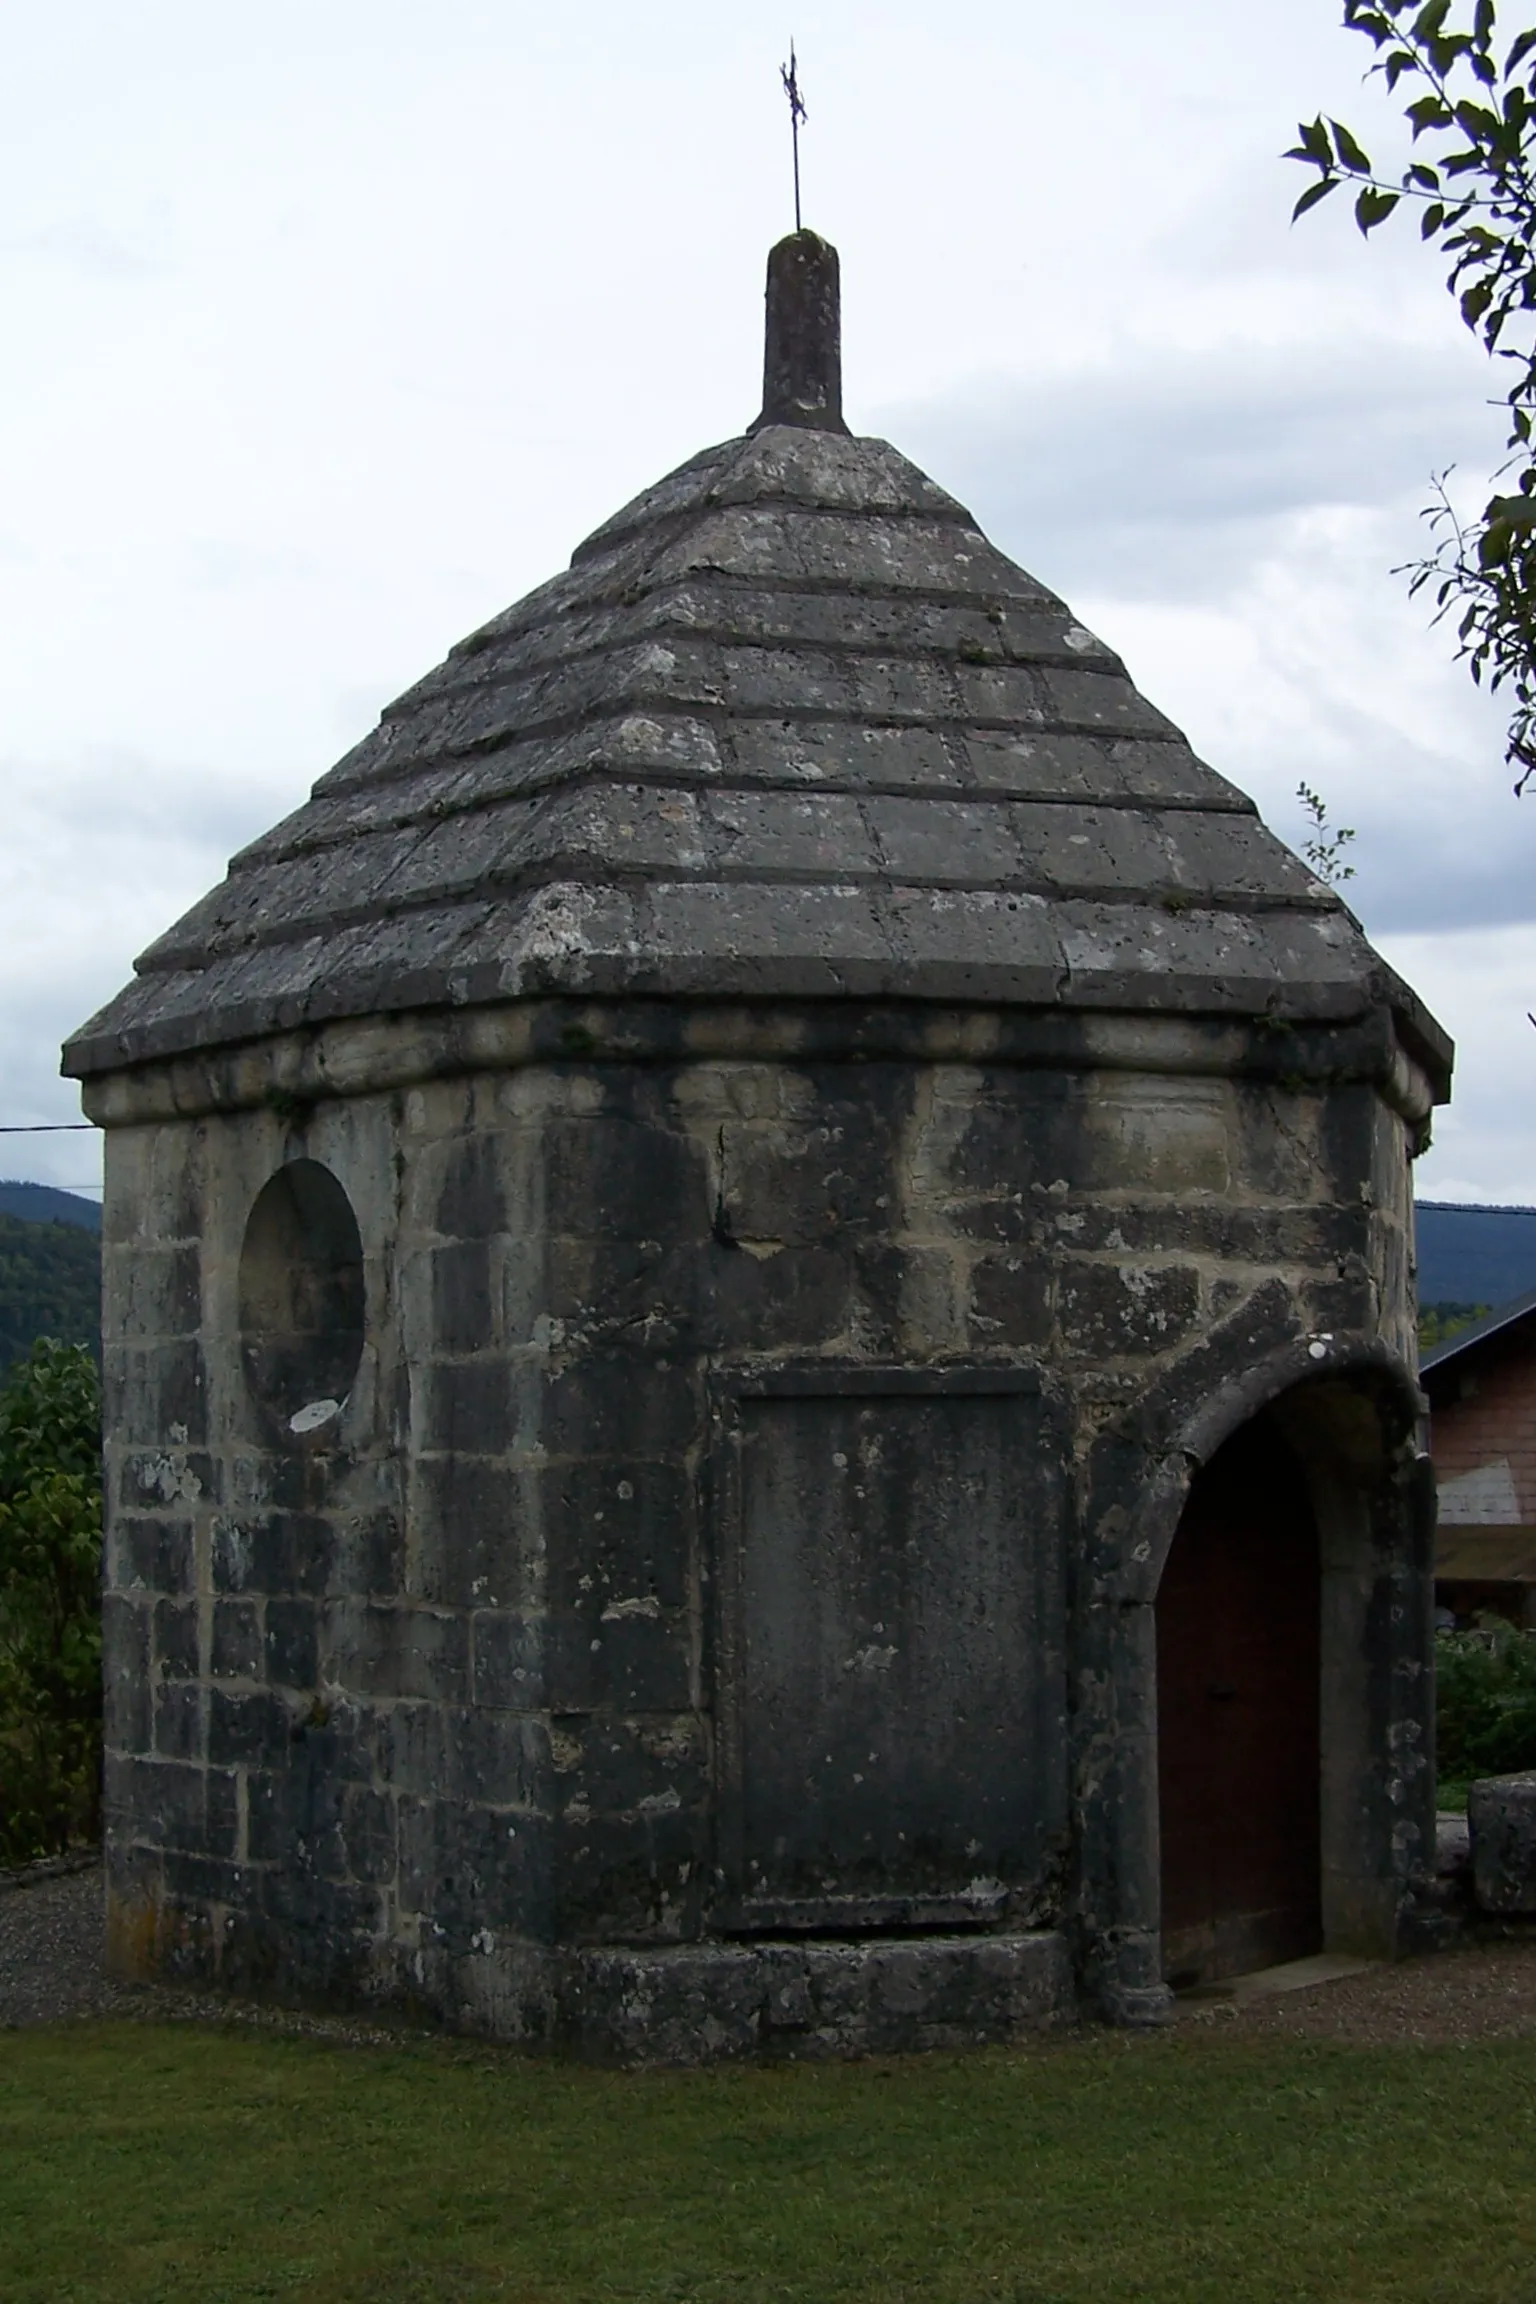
{"x": 1472, "y": 1255}
{"x": 46, "y": 1203}
{"x": 50, "y": 1285}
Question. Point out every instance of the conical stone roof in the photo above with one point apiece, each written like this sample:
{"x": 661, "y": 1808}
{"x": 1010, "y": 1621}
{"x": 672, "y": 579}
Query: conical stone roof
{"x": 789, "y": 727}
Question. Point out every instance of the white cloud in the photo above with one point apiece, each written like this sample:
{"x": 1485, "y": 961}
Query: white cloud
{"x": 99, "y": 856}
{"x": 341, "y": 326}
{"x": 1163, "y": 465}
{"x": 1317, "y": 666}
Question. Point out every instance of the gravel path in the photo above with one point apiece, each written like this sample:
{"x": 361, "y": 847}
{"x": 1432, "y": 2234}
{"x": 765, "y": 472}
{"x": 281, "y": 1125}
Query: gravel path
{"x": 1479, "y": 1991}
{"x": 50, "y": 1970}
{"x": 50, "y": 1954}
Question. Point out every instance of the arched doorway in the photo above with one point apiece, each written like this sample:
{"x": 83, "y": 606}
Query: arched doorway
{"x": 1238, "y": 1617}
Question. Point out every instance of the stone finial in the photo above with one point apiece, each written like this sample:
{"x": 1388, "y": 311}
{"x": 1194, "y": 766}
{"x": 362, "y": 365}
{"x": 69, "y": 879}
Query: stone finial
{"x": 803, "y": 348}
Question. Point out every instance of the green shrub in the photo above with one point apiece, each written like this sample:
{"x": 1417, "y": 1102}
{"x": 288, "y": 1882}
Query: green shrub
{"x": 1485, "y": 1702}
{"x": 50, "y": 1602}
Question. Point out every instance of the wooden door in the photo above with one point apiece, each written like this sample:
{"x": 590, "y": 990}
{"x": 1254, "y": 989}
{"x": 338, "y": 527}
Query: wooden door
{"x": 1239, "y": 1764}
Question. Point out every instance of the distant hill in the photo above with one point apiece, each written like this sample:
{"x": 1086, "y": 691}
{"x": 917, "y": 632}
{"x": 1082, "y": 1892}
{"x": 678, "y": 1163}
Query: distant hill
{"x": 50, "y": 1285}
{"x": 46, "y": 1204}
{"x": 1473, "y": 1256}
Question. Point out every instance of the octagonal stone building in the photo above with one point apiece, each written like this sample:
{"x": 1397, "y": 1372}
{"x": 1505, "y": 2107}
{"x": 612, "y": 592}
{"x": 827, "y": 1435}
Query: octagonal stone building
{"x": 759, "y": 1322}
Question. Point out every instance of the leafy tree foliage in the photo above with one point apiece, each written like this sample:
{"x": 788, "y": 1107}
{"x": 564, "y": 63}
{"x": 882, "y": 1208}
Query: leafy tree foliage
{"x": 1485, "y": 1702}
{"x": 1325, "y": 844}
{"x": 50, "y": 1285}
{"x": 50, "y": 1606}
{"x": 1472, "y": 184}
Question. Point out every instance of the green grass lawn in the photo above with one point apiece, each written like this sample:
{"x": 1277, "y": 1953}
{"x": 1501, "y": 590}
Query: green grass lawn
{"x": 146, "y": 2162}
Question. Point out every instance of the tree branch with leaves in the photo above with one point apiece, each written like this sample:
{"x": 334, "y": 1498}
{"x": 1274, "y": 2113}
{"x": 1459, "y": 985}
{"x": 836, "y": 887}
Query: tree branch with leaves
{"x": 1326, "y": 842}
{"x": 1472, "y": 183}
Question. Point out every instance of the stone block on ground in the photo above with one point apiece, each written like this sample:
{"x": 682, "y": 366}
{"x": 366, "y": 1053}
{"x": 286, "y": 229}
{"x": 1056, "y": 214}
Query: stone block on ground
{"x": 1501, "y": 1812}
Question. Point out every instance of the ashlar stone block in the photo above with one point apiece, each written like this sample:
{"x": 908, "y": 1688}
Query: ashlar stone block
{"x": 1501, "y": 1814}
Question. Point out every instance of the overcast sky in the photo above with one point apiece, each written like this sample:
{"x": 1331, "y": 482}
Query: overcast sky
{"x": 331, "y": 328}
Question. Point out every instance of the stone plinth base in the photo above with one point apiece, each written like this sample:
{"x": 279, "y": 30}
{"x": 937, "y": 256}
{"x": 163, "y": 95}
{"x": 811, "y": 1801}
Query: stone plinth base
{"x": 624, "y": 2004}
{"x": 698, "y": 2003}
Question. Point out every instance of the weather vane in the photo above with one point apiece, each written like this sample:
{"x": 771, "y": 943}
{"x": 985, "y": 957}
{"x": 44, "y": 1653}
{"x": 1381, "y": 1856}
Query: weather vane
{"x": 796, "y": 114}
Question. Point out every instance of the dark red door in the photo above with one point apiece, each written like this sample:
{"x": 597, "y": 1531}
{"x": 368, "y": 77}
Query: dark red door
{"x": 1237, "y": 1717}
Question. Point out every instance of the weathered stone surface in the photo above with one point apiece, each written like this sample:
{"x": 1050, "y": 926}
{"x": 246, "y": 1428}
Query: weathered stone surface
{"x": 468, "y": 1652}
{"x": 1501, "y": 1814}
{"x": 701, "y": 2004}
{"x": 1453, "y": 1847}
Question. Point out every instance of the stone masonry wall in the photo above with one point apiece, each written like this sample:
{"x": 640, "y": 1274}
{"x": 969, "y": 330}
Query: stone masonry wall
{"x": 393, "y": 1707}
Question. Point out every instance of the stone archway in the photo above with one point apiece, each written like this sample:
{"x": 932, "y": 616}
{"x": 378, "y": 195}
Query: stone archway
{"x": 1348, "y": 1415}
{"x": 1238, "y": 1616}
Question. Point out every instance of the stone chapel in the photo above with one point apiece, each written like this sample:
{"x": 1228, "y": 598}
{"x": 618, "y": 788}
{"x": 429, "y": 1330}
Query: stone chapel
{"x": 759, "y": 1323}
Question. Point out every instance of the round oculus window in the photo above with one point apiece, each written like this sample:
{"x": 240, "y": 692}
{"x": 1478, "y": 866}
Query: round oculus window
{"x": 301, "y": 1296}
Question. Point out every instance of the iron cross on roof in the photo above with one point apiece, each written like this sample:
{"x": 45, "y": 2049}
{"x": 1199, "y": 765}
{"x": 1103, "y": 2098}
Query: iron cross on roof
{"x": 790, "y": 78}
